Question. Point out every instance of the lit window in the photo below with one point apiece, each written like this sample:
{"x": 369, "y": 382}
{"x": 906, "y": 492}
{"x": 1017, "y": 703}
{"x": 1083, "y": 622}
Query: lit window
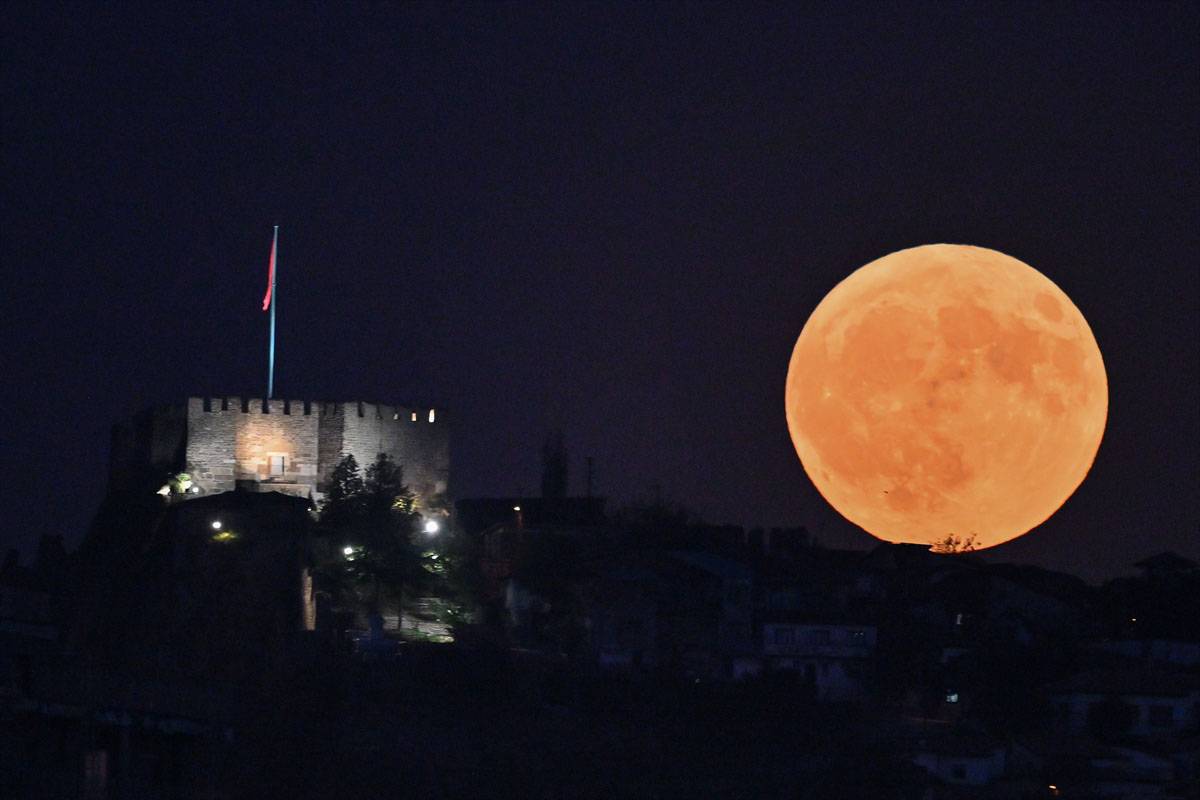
{"x": 277, "y": 464}
{"x": 951, "y": 697}
{"x": 414, "y": 416}
{"x": 432, "y": 415}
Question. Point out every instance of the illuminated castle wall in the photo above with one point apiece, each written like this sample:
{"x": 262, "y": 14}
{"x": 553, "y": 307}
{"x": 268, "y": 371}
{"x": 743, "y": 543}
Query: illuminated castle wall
{"x": 288, "y": 446}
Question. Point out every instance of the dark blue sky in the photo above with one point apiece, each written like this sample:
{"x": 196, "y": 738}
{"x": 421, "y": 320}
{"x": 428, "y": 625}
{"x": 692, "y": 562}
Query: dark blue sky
{"x": 614, "y": 219}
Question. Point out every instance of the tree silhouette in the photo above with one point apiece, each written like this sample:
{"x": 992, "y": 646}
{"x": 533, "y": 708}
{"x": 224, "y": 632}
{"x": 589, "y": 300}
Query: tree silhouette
{"x": 954, "y": 544}
{"x": 344, "y": 498}
{"x": 369, "y": 524}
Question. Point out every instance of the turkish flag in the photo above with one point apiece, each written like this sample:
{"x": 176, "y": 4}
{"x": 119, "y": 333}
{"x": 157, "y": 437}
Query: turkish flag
{"x": 270, "y": 275}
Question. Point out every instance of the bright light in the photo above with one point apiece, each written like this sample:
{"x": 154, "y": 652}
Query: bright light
{"x": 414, "y": 416}
{"x": 431, "y": 527}
{"x": 952, "y": 697}
{"x": 516, "y": 508}
{"x": 347, "y": 551}
{"x": 432, "y": 415}
{"x": 224, "y": 536}
{"x": 216, "y": 524}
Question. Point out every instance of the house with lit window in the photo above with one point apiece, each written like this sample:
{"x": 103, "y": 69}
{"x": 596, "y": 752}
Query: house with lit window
{"x": 1081, "y": 765}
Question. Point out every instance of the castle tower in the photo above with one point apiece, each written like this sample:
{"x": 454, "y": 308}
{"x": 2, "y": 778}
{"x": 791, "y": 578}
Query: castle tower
{"x": 288, "y": 446}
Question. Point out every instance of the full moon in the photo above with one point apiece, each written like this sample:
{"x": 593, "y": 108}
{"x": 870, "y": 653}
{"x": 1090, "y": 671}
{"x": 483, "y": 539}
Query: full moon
{"x": 946, "y": 391}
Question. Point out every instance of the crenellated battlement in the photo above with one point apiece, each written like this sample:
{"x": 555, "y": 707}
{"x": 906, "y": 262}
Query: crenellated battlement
{"x": 363, "y": 410}
{"x": 228, "y": 442}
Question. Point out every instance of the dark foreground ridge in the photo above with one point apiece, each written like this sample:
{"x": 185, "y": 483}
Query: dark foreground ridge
{"x": 242, "y": 644}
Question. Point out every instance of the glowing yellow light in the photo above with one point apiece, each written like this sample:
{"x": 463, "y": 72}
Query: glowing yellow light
{"x": 224, "y": 536}
{"x": 216, "y": 524}
{"x": 414, "y": 416}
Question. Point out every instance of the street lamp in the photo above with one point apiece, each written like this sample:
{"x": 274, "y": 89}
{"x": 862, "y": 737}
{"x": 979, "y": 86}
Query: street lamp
{"x": 432, "y": 527}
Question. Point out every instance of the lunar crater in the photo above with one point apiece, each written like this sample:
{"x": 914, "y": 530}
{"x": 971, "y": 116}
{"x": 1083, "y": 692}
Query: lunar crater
{"x": 946, "y": 388}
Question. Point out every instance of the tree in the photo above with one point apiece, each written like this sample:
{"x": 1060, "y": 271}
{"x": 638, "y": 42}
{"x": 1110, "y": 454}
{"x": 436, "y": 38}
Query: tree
{"x": 954, "y": 544}
{"x": 370, "y": 522}
{"x": 385, "y": 553}
{"x": 343, "y": 501}
{"x": 384, "y": 489}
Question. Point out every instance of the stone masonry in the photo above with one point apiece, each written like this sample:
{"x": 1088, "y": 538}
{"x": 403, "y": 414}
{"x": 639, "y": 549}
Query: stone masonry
{"x": 289, "y": 446}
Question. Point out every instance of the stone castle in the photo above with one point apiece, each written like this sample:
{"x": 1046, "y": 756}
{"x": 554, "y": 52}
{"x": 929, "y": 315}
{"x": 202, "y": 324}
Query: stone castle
{"x": 288, "y": 446}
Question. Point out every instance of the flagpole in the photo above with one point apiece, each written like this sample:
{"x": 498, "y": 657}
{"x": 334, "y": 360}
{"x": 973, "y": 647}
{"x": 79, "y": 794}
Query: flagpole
{"x": 271, "y": 354}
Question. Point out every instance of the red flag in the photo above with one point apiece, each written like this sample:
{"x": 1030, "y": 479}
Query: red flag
{"x": 270, "y": 277}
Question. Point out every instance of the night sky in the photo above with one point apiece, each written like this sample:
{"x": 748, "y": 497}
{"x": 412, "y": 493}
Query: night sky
{"x": 609, "y": 219}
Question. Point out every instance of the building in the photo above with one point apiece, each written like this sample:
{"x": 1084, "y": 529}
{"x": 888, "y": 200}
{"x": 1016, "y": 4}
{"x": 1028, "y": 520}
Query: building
{"x": 1140, "y": 702}
{"x": 834, "y": 658}
{"x": 961, "y": 757}
{"x": 705, "y": 623}
{"x": 622, "y": 614}
{"x": 288, "y": 446}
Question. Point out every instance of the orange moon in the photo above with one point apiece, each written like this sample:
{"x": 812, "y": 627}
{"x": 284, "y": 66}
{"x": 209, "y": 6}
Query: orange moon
{"x": 946, "y": 390}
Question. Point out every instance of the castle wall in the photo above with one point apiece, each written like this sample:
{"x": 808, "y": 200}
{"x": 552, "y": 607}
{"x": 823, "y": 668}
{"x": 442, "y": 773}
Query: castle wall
{"x": 212, "y": 442}
{"x": 329, "y": 442}
{"x": 148, "y": 447}
{"x": 230, "y": 441}
{"x": 421, "y": 447}
{"x": 279, "y": 428}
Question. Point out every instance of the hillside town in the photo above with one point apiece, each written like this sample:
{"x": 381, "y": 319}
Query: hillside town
{"x": 252, "y": 642}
